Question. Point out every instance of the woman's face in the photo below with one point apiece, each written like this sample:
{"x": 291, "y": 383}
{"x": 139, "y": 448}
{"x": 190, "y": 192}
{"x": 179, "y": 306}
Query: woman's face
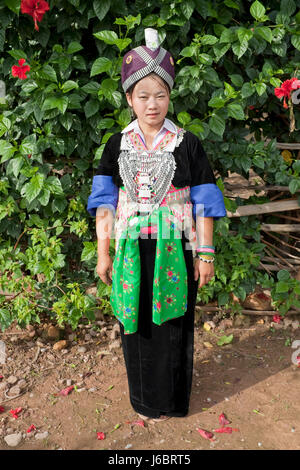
{"x": 150, "y": 101}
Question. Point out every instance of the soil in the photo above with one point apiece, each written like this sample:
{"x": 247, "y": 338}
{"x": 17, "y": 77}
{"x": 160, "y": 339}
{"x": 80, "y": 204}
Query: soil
{"x": 253, "y": 380}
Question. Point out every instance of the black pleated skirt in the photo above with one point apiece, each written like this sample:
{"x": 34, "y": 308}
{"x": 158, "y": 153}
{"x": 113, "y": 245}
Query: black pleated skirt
{"x": 159, "y": 359}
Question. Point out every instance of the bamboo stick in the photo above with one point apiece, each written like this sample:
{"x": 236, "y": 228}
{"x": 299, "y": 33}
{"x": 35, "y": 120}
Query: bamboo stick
{"x": 288, "y": 217}
{"x": 283, "y": 242}
{"x": 272, "y": 258}
{"x": 280, "y": 227}
{"x": 254, "y": 209}
{"x": 279, "y": 249}
{"x": 287, "y": 146}
{"x": 258, "y": 187}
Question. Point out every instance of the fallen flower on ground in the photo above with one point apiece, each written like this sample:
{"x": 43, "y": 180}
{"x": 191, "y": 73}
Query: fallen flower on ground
{"x": 1, "y": 409}
{"x": 31, "y": 428}
{"x": 227, "y": 430}
{"x": 223, "y": 420}
{"x": 100, "y": 436}
{"x": 276, "y": 318}
{"x": 65, "y": 391}
{"x": 206, "y": 434}
{"x": 15, "y": 412}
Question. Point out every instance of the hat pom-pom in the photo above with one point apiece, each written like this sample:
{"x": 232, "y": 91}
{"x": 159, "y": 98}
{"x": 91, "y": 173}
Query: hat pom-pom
{"x": 151, "y": 38}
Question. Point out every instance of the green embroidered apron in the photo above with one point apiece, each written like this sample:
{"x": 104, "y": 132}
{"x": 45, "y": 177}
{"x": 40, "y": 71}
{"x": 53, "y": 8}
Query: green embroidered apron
{"x": 170, "y": 274}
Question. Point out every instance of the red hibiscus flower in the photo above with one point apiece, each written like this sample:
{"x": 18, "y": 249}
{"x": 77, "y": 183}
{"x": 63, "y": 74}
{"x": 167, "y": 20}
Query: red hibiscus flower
{"x": 20, "y": 70}
{"x": 286, "y": 89}
{"x": 276, "y": 318}
{"x": 100, "y": 436}
{"x": 36, "y": 9}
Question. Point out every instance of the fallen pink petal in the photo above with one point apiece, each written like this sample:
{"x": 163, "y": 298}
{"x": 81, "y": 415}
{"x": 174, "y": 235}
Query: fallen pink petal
{"x": 65, "y": 391}
{"x": 276, "y": 318}
{"x": 100, "y": 436}
{"x": 139, "y": 422}
{"x": 15, "y": 413}
{"x": 31, "y": 428}
{"x": 223, "y": 420}
{"x": 206, "y": 434}
{"x": 227, "y": 430}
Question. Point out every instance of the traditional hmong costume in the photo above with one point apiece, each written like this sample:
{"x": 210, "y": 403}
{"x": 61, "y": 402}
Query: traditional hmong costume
{"x": 155, "y": 196}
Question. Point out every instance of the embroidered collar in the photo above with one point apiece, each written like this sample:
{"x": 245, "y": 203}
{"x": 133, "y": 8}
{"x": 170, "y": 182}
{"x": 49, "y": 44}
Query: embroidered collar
{"x": 168, "y": 126}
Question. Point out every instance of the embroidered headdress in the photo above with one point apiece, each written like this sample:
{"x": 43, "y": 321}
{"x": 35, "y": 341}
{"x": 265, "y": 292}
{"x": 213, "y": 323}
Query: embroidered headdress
{"x": 142, "y": 60}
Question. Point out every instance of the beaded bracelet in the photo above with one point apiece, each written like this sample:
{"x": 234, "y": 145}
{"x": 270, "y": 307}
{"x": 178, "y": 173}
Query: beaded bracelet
{"x": 206, "y": 260}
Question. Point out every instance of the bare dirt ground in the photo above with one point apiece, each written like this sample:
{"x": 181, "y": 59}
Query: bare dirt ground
{"x": 253, "y": 380}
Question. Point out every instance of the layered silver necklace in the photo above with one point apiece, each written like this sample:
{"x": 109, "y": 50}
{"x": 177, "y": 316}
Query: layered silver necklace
{"x": 146, "y": 174}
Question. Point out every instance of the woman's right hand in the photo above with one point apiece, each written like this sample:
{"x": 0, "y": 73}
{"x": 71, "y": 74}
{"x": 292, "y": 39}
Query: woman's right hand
{"x": 104, "y": 268}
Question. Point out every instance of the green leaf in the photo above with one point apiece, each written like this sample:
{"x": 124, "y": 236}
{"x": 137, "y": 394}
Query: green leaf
{"x": 225, "y": 340}
{"x": 208, "y": 39}
{"x": 184, "y": 118}
{"x": 106, "y": 123}
{"x": 265, "y": 33}
{"x": 122, "y": 43}
{"x": 235, "y": 111}
{"x": 109, "y": 37}
{"x": 73, "y": 47}
{"x": 239, "y": 49}
{"x": 247, "y": 90}
{"x": 260, "y": 88}
{"x": 91, "y": 108}
{"x": 115, "y": 98}
{"x": 188, "y": 51}
{"x": 18, "y": 54}
{"x": 257, "y": 10}
{"x": 295, "y": 40}
{"x": 216, "y": 102}
{"x": 53, "y": 184}
{"x": 124, "y": 118}
{"x": 244, "y": 34}
{"x": 231, "y": 4}
{"x": 217, "y": 124}
{"x": 69, "y": 85}
{"x": 14, "y": 165}
{"x": 102, "y": 64}
{"x": 33, "y": 188}
{"x": 91, "y": 87}
{"x": 283, "y": 275}
{"x": 66, "y": 120}
{"x": 59, "y": 102}
{"x": 6, "y": 150}
{"x": 89, "y": 251}
{"x": 44, "y": 197}
{"x": 205, "y": 59}
{"x": 48, "y": 73}
{"x": 294, "y": 185}
{"x": 101, "y": 8}
{"x": 13, "y": 5}
{"x": 287, "y": 7}
{"x": 187, "y": 8}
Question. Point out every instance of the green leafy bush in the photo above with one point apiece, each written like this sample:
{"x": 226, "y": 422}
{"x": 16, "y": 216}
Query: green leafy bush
{"x": 54, "y": 124}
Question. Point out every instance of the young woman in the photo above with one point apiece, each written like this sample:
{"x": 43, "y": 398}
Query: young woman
{"x": 156, "y": 193}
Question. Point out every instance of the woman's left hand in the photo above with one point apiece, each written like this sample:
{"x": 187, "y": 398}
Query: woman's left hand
{"x": 204, "y": 270}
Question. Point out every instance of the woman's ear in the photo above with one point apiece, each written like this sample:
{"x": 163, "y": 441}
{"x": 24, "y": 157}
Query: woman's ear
{"x": 129, "y": 100}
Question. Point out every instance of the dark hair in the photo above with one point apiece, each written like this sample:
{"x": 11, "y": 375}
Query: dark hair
{"x": 154, "y": 76}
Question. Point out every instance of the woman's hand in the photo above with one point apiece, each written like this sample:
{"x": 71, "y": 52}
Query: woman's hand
{"x": 104, "y": 268}
{"x": 204, "y": 270}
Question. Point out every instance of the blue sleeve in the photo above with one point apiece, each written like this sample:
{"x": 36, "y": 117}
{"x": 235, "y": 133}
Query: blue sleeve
{"x": 208, "y": 201}
{"x": 104, "y": 193}
{"x": 206, "y": 196}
